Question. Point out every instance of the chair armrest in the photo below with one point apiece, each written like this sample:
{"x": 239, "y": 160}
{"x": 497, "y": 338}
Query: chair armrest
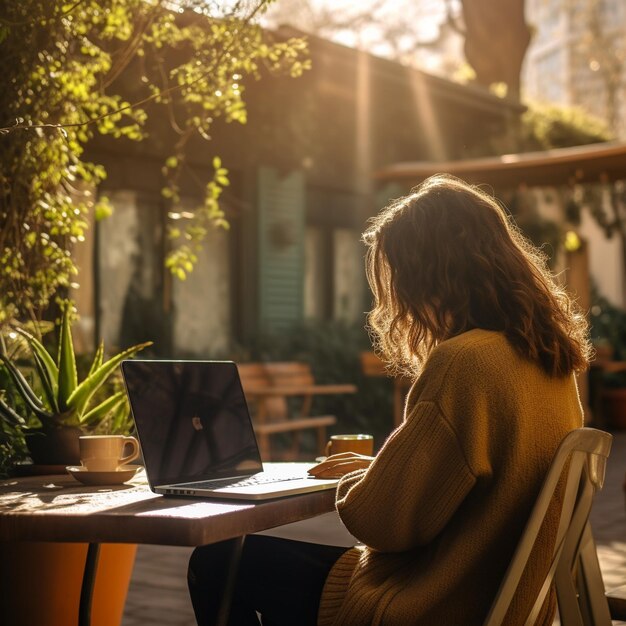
{"x": 295, "y": 424}
{"x": 299, "y": 390}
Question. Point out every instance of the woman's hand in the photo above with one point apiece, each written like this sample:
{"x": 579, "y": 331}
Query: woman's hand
{"x": 337, "y": 465}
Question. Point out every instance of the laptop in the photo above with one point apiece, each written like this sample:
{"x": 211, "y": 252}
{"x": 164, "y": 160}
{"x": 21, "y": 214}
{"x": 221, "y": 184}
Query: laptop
{"x": 196, "y": 434}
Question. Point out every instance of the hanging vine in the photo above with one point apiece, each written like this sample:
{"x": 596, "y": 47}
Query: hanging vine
{"x": 60, "y": 62}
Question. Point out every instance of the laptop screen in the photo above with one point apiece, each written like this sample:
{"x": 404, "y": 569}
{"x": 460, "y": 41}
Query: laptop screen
{"x": 192, "y": 420}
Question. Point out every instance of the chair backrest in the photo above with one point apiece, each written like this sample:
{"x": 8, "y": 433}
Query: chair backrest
{"x": 293, "y": 374}
{"x": 290, "y": 373}
{"x": 255, "y": 376}
{"x": 580, "y": 588}
{"x": 582, "y": 457}
{"x": 372, "y": 364}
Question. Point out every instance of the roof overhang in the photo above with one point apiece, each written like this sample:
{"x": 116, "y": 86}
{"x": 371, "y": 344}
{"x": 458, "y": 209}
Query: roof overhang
{"x": 563, "y": 166}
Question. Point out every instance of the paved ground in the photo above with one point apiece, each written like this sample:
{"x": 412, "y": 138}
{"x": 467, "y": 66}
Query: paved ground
{"x": 158, "y": 591}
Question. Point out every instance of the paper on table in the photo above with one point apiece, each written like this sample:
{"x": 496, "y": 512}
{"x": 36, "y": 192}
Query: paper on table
{"x": 326, "y": 529}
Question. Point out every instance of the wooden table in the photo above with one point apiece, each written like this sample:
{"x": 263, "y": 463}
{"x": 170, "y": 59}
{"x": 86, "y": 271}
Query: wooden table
{"x": 58, "y": 508}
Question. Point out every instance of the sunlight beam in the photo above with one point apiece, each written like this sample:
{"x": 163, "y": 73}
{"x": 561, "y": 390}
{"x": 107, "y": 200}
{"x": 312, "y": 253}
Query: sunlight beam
{"x": 426, "y": 119}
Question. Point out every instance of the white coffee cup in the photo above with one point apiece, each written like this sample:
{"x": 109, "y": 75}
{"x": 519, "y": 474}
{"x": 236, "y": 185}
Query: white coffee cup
{"x": 105, "y": 453}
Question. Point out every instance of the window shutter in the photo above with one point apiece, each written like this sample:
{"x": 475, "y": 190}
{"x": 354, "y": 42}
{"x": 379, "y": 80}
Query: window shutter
{"x": 281, "y": 249}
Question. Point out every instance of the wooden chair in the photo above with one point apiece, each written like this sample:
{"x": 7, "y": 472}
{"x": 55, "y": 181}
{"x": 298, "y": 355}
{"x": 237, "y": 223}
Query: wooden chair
{"x": 297, "y": 376}
{"x": 582, "y": 598}
{"x": 581, "y": 458}
{"x": 270, "y": 386}
{"x": 372, "y": 365}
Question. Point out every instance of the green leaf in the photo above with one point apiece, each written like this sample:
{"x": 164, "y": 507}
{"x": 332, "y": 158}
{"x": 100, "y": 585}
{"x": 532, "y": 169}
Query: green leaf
{"x": 120, "y": 422}
{"x": 46, "y": 383}
{"x": 23, "y": 388}
{"x": 66, "y": 361}
{"x": 10, "y": 415}
{"x": 97, "y": 359}
{"x": 83, "y": 393}
{"x": 46, "y": 367}
{"x": 103, "y": 209}
{"x": 96, "y": 414}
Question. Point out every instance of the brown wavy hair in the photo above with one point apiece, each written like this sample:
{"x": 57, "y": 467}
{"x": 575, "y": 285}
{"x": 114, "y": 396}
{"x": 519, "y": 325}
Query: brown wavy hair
{"x": 446, "y": 259}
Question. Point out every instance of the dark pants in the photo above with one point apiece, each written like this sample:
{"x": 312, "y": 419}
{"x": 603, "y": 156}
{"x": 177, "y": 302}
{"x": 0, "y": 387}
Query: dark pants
{"x": 278, "y": 578}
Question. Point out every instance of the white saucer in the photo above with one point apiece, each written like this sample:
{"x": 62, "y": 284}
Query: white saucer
{"x": 115, "y": 477}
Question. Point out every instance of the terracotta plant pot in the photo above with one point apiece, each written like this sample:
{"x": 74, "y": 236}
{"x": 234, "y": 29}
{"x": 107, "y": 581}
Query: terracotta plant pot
{"x": 54, "y": 446}
{"x": 40, "y": 583}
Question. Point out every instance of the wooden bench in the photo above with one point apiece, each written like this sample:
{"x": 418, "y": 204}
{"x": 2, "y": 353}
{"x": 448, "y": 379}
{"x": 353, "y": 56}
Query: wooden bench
{"x": 269, "y": 387}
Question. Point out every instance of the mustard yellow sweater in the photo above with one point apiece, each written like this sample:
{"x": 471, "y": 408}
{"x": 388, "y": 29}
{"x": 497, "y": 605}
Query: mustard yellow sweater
{"x": 441, "y": 508}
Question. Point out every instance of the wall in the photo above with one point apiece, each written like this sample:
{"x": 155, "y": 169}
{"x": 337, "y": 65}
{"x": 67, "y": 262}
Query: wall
{"x": 82, "y": 289}
{"x": 120, "y": 244}
{"x": 202, "y": 302}
{"x": 301, "y": 162}
{"x": 315, "y": 262}
{"x": 349, "y": 284}
{"x": 605, "y": 261}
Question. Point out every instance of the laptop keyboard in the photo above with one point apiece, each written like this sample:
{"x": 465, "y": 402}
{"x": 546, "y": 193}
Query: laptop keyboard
{"x": 250, "y": 481}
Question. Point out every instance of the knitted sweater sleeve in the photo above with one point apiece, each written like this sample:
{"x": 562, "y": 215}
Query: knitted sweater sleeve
{"x": 413, "y": 487}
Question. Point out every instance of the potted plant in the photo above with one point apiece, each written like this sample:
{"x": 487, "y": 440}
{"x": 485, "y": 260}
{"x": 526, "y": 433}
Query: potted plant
{"x": 53, "y": 415}
{"x": 44, "y": 401}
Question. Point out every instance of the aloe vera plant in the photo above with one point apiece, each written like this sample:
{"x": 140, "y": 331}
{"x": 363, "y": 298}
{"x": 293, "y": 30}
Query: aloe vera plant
{"x": 64, "y": 400}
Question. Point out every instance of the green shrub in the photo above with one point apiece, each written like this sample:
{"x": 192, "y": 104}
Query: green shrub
{"x": 546, "y": 126}
{"x": 608, "y": 325}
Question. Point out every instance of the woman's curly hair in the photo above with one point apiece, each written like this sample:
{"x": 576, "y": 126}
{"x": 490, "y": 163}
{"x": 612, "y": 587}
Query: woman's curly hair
{"x": 446, "y": 259}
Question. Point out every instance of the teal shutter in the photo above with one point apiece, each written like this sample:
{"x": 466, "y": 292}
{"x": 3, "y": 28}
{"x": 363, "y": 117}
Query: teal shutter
{"x": 281, "y": 249}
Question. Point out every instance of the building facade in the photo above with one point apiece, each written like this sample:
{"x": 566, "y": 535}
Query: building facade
{"x": 300, "y": 194}
{"x": 577, "y": 57}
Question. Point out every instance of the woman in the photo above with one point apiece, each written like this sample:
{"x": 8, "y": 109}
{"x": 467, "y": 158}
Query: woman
{"x": 465, "y": 305}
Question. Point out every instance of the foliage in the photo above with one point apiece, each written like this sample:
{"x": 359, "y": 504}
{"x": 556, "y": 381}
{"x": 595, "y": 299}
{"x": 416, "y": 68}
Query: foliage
{"x": 60, "y": 63}
{"x": 12, "y": 444}
{"x": 608, "y": 330}
{"x": 546, "y": 126}
{"x": 608, "y": 325}
{"x": 63, "y": 400}
{"x": 333, "y": 349}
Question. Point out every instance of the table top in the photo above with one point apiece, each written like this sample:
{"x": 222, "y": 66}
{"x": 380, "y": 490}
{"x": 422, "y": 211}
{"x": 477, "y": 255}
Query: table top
{"x": 58, "y": 508}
